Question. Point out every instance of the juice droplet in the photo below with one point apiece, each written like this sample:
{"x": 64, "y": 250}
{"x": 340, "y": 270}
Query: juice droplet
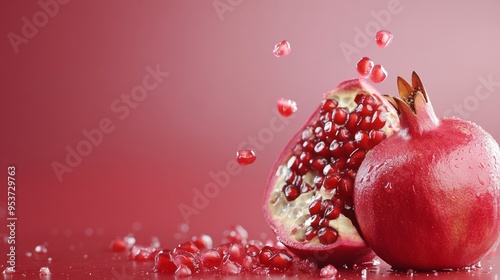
{"x": 245, "y": 157}
{"x": 364, "y": 67}
{"x": 378, "y": 74}
{"x": 383, "y": 38}
{"x": 282, "y": 49}
{"x": 286, "y": 107}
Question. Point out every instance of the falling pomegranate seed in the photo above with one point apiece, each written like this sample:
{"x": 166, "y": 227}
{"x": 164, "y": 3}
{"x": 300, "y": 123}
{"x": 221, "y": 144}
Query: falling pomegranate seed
{"x": 378, "y": 74}
{"x": 282, "y": 49}
{"x": 286, "y": 107}
{"x": 383, "y": 38}
{"x": 364, "y": 67}
{"x": 245, "y": 157}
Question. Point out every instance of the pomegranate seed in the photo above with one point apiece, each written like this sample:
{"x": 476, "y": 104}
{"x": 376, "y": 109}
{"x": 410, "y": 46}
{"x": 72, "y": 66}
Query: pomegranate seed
{"x": 364, "y": 110}
{"x": 364, "y": 66}
{"x": 186, "y": 259}
{"x": 305, "y": 187}
{"x": 188, "y": 246}
{"x": 314, "y": 220}
{"x": 235, "y": 252}
{"x": 281, "y": 261}
{"x": 229, "y": 267}
{"x": 291, "y": 192}
{"x": 311, "y": 233}
{"x": 265, "y": 255}
{"x": 235, "y": 234}
{"x": 378, "y": 119}
{"x": 365, "y": 123}
{"x": 163, "y": 262}
{"x": 360, "y": 98}
{"x": 282, "y": 49}
{"x": 331, "y": 181}
{"x": 318, "y": 182}
{"x": 330, "y": 169}
{"x": 340, "y": 116}
{"x": 328, "y": 105}
{"x": 307, "y": 134}
{"x": 349, "y": 147}
{"x": 308, "y": 146}
{"x": 378, "y": 74}
{"x": 332, "y": 212}
{"x": 252, "y": 250}
{"x": 383, "y": 38}
{"x": 324, "y": 222}
{"x": 290, "y": 176}
{"x": 320, "y": 133}
{"x": 140, "y": 253}
{"x": 315, "y": 207}
{"x": 352, "y": 122}
{"x": 202, "y": 241}
{"x": 249, "y": 263}
{"x": 375, "y": 137}
{"x": 324, "y": 204}
{"x": 118, "y": 245}
{"x": 183, "y": 270}
{"x": 211, "y": 258}
{"x": 327, "y": 235}
{"x": 329, "y": 271}
{"x": 286, "y": 107}
{"x": 44, "y": 271}
{"x": 343, "y": 134}
{"x": 362, "y": 138}
{"x": 245, "y": 157}
{"x": 319, "y": 164}
{"x": 346, "y": 188}
{"x": 356, "y": 158}
{"x": 321, "y": 149}
{"x": 337, "y": 150}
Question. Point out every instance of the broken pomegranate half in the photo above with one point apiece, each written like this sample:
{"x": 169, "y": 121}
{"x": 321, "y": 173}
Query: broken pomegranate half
{"x": 308, "y": 200}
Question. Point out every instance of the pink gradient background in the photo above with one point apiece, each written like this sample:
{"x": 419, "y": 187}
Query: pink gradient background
{"x": 223, "y": 85}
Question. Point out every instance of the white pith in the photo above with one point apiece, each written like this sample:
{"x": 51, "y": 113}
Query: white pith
{"x": 291, "y": 216}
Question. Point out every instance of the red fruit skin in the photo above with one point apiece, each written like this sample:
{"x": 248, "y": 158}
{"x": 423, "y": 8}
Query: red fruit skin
{"x": 344, "y": 251}
{"x": 428, "y": 197}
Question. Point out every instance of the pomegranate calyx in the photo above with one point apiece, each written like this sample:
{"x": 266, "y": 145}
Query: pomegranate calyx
{"x": 415, "y": 109}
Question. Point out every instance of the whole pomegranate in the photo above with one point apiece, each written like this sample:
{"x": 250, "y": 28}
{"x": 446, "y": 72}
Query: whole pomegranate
{"x": 428, "y": 197}
{"x": 308, "y": 201}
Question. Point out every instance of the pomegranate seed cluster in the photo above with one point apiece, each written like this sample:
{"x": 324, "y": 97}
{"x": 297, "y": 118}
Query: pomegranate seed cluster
{"x": 330, "y": 151}
{"x": 236, "y": 255}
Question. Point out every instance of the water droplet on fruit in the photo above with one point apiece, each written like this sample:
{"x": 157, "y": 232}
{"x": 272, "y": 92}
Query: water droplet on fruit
{"x": 378, "y": 74}
{"x": 364, "y": 67}
{"x": 383, "y": 38}
{"x": 245, "y": 157}
{"x": 282, "y": 49}
{"x": 286, "y": 107}
{"x": 44, "y": 271}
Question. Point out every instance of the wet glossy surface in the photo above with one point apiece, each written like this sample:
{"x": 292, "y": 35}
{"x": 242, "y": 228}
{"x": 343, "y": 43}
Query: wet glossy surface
{"x": 87, "y": 257}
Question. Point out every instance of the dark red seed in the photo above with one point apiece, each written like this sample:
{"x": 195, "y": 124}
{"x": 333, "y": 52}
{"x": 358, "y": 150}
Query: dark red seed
{"x": 188, "y": 246}
{"x": 349, "y": 147}
{"x": 356, "y": 158}
{"x": 339, "y": 116}
{"x": 330, "y": 169}
{"x": 320, "y": 133}
{"x": 333, "y": 211}
{"x": 336, "y": 149}
{"x": 318, "y": 182}
{"x": 291, "y": 192}
{"x": 383, "y": 38}
{"x": 265, "y": 255}
{"x": 319, "y": 164}
{"x": 307, "y": 133}
{"x": 346, "y": 188}
{"x": 315, "y": 207}
{"x": 118, "y": 245}
{"x": 252, "y": 250}
{"x": 324, "y": 222}
{"x": 163, "y": 262}
{"x": 290, "y": 177}
{"x": 211, "y": 258}
{"x": 378, "y": 119}
{"x": 365, "y": 123}
{"x": 281, "y": 261}
{"x": 314, "y": 220}
{"x": 324, "y": 204}
{"x": 343, "y": 134}
{"x": 302, "y": 168}
{"x": 375, "y": 137}
{"x": 362, "y": 139}
{"x": 364, "y": 110}
{"x": 328, "y": 105}
{"x": 364, "y": 66}
{"x": 292, "y": 163}
{"x": 305, "y": 157}
{"x": 308, "y": 146}
{"x": 378, "y": 74}
{"x": 370, "y": 99}
{"x": 351, "y": 173}
{"x": 327, "y": 235}
{"x": 305, "y": 187}
{"x": 330, "y": 130}
{"x": 202, "y": 241}
{"x": 245, "y": 157}
{"x": 331, "y": 181}
{"x": 321, "y": 149}
{"x": 360, "y": 98}
{"x": 311, "y": 233}
{"x": 340, "y": 163}
{"x": 352, "y": 122}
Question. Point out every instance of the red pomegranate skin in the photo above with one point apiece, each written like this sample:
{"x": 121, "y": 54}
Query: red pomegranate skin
{"x": 428, "y": 197}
